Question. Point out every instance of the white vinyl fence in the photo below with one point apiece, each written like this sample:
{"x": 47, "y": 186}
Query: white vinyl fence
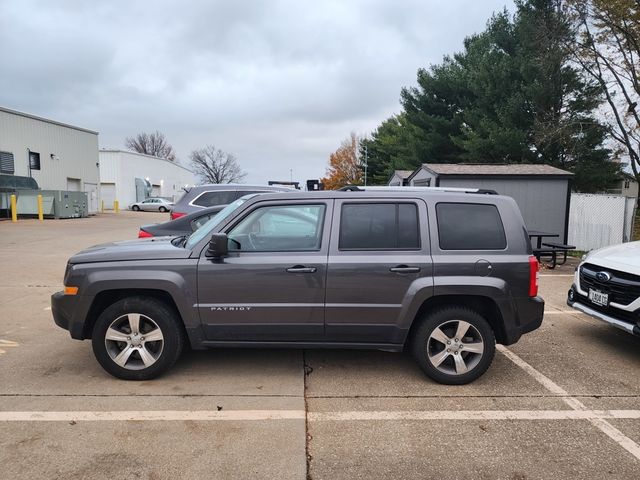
{"x": 597, "y": 221}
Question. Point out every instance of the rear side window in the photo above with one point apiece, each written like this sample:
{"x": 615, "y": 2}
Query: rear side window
{"x": 209, "y": 199}
{"x": 470, "y": 226}
{"x": 379, "y": 226}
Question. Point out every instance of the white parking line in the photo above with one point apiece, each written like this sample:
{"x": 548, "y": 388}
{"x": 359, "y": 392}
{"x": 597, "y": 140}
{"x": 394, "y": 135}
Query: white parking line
{"x": 152, "y": 415}
{"x": 475, "y": 415}
{"x": 558, "y": 312}
{"x": 556, "y": 275}
{"x": 348, "y": 416}
{"x": 612, "y": 432}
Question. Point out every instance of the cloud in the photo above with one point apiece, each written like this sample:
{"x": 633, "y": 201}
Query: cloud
{"x": 277, "y": 83}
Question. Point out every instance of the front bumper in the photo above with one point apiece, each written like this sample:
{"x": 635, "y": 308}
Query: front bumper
{"x": 69, "y": 312}
{"x": 575, "y": 301}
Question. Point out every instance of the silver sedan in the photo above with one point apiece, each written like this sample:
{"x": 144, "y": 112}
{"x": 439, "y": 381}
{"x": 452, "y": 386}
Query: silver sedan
{"x": 152, "y": 205}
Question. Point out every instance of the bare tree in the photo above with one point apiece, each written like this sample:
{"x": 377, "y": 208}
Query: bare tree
{"x": 216, "y": 166}
{"x": 607, "y": 46}
{"x": 151, "y": 144}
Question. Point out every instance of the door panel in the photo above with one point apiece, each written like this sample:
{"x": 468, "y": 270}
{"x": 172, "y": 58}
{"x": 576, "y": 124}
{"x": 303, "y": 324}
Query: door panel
{"x": 366, "y": 287}
{"x": 254, "y": 295}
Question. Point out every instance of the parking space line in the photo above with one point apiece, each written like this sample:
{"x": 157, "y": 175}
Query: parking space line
{"x": 152, "y": 415}
{"x": 556, "y": 275}
{"x": 349, "y": 416}
{"x": 612, "y": 432}
{"x": 565, "y": 312}
{"x": 475, "y": 415}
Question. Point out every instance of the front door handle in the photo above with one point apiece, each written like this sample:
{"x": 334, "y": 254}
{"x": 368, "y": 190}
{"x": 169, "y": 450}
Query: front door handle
{"x": 404, "y": 269}
{"x": 301, "y": 269}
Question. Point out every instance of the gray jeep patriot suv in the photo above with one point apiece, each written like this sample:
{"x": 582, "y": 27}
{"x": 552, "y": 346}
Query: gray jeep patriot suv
{"x": 444, "y": 274}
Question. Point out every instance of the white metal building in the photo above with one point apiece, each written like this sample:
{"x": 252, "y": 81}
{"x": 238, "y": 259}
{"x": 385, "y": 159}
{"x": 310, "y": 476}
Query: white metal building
{"x": 129, "y": 177}
{"x": 58, "y": 156}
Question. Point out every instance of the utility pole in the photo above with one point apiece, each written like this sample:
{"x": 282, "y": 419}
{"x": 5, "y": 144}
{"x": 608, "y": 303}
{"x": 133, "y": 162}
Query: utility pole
{"x": 366, "y": 164}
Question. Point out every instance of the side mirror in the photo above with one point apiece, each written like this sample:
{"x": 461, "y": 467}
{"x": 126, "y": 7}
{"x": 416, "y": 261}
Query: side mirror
{"x": 218, "y": 246}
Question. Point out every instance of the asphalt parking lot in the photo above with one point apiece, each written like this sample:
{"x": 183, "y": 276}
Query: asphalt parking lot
{"x": 562, "y": 403}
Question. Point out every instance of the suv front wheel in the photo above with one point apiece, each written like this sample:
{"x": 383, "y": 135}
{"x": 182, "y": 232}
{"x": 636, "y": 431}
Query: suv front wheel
{"x": 137, "y": 338}
{"x": 454, "y": 345}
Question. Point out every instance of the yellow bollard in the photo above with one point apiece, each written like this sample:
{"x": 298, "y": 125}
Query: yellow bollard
{"x": 116, "y": 206}
{"x": 14, "y": 211}
{"x": 101, "y": 206}
{"x": 40, "y": 211}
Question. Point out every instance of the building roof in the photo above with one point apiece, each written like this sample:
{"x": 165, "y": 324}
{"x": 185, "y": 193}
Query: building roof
{"x": 493, "y": 169}
{"x": 46, "y": 120}
{"x": 129, "y": 152}
{"x": 403, "y": 173}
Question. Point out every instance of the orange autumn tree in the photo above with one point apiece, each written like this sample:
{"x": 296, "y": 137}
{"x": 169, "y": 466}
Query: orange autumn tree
{"x": 344, "y": 165}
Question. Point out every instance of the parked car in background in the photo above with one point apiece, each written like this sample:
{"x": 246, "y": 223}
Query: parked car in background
{"x": 607, "y": 286}
{"x": 203, "y": 196}
{"x": 184, "y": 225}
{"x": 152, "y": 205}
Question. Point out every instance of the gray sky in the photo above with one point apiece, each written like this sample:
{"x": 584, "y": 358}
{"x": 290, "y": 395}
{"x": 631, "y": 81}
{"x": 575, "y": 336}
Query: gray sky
{"x": 280, "y": 83}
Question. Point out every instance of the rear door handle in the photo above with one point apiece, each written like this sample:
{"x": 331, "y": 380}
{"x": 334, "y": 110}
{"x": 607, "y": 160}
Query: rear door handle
{"x": 404, "y": 269}
{"x": 301, "y": 269}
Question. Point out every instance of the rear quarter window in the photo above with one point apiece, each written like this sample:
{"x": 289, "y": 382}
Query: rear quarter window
{"x": 209, "y": 199}
{"x": 470, "y": 226}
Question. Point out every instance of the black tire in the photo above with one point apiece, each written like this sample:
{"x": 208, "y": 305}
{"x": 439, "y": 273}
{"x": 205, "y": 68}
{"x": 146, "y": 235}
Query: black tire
{"x": 135, "y": 208}
{"x": 163, "y": 209}
{"x": 152, "y": 314}
{"x": 428, "y": 350}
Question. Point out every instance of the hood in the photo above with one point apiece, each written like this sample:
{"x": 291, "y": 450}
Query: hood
{"x": 624, "y": 257}
{"x": 157, "y": 248}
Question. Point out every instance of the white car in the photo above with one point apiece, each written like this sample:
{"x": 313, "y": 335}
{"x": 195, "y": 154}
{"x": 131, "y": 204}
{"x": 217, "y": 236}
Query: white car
{"x": 607, "y": 286}
{"x": 152, "y": 205}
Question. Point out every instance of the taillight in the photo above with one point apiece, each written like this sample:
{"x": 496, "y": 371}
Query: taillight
{"x": 143, "y": 234}
{"x": 175, "y": 215}
{"x": 534, "y": 266}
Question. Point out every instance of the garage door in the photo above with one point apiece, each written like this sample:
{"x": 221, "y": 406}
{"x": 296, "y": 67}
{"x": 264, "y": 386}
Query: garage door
{"x": 108, "y": 194}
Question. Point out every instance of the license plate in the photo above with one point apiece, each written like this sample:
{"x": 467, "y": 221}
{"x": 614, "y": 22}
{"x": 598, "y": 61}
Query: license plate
{"x": 599, "y": 298}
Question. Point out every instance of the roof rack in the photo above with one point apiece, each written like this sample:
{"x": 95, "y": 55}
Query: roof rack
{"x": 360, "y": 188}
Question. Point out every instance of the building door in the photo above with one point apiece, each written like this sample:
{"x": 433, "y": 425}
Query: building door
{"x": 155, "y": 191}
{"x": 74, "y": 185}
{"x": 108, "y": 191}
{"x": 92, "y": 197}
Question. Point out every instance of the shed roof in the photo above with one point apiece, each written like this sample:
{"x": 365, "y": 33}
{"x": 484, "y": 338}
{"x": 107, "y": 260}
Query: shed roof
{"x": 494, "y": 169}
{"x": 403, "y": 173}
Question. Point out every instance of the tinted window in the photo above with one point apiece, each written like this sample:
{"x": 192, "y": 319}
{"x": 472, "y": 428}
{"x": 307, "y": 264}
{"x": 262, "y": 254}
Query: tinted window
{"x": 279, "y": 229}
{"x": 209, "y": 199}
{"x": 379, "y": 226}
{"x": 470, "y": 226}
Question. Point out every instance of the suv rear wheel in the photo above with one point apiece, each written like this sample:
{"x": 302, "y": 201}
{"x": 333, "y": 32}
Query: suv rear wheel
{"x": 454, "y": 345}
{"x": 137, "y": 338}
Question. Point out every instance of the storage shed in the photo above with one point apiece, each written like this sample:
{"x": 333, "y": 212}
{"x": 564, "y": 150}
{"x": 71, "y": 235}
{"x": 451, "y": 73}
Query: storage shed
{"x": 542, "y": 192}
{"x": 399, "y": 178}
{"x": 131, "y": 177}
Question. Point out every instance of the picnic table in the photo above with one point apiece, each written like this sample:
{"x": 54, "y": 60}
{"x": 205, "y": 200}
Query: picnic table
{"x": 549, "y": 249}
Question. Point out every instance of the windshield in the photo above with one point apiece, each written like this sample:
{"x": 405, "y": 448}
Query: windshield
{"x": 216, "y": 220}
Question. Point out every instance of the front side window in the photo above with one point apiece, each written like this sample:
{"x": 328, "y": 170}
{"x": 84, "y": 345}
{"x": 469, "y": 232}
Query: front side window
{"x": 470, "y": 226}
{"x": 210, "y": 199}
{"x": 281, "y": 228}
{"x": 379, "y": 226}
